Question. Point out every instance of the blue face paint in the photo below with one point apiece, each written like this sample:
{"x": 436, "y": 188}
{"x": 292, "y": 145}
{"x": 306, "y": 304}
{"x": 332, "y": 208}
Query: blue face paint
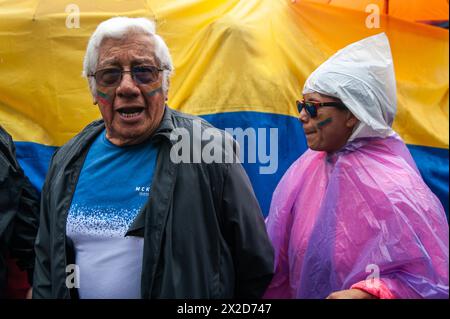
{"x": 153, "y": 92}
{"x": 324, "y": 122}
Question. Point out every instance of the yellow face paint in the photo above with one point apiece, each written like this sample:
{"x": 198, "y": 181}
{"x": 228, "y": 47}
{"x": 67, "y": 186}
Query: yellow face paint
{"x": 151, "y": 90}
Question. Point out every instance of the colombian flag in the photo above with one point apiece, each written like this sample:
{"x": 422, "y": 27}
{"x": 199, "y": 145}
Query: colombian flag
{"x": 238, "y": 64}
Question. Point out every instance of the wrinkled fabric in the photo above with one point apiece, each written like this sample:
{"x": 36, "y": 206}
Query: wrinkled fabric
{"x": 19, "y": 215}
{"x": 336, "y": 220}
{"x": 362, "y": 76}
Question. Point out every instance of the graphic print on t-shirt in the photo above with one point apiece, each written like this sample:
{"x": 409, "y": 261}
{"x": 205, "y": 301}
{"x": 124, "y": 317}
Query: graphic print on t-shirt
{"x": 114, "y": 185}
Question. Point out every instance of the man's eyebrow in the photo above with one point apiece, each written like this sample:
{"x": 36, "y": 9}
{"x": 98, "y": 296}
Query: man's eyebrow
{"x": 115, "y": 61}
{"x": 143, "y": 60}
{"x": 108, "y": 61}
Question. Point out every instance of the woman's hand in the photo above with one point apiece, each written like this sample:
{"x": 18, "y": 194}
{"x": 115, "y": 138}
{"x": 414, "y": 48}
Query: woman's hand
{"x": 29, "y": 294}
{"x": 350, "y": 294}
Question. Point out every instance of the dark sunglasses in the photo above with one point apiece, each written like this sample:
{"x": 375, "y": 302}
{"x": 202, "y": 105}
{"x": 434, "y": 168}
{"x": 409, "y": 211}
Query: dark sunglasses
{"x": 139, "y": 74}
{"x": 311, "y": 107}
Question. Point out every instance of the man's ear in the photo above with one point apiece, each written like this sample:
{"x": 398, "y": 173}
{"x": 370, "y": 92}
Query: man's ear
{"x": 94, "y": 98}
{"x": 166, "y": 93}
{"x": 93, "y": 93}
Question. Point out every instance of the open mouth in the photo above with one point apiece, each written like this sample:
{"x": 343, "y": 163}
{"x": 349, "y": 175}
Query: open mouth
{"x": 130, "y": 112}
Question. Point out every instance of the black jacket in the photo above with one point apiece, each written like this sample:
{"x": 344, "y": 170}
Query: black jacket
{"x": 204, "y": 234}
{"x": 19, "y": 212}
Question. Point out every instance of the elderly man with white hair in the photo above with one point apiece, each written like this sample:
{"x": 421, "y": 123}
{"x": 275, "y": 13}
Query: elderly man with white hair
{"x": 120, "y": 218}
{"x": 352, "y": 217}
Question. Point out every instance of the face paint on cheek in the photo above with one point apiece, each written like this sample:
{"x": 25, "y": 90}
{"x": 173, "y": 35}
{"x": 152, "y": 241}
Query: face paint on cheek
{"x": 103, "y": 98}
{"x": 324, "y": 122}
{"x": 154, "y": 91}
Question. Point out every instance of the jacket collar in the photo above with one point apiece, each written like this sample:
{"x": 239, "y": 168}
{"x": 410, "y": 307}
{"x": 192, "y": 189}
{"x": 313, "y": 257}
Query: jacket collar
{"x": 166, "y": 126}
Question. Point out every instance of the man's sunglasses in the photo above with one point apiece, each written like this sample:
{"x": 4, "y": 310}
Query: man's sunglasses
{"x": 139, "y": 74}
{"x": 311, "y": 107}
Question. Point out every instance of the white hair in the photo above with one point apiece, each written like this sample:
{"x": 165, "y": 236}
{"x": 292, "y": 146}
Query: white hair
{"x": 118, "y": 28}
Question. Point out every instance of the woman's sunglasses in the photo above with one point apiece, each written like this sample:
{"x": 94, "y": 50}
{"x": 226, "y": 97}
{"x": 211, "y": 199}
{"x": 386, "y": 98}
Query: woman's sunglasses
{"x": 311, "y": 107}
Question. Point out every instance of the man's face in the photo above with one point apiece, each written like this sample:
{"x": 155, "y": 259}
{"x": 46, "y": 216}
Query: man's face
{"x": 332, "y": 127}
{"x": 131, "y": 111}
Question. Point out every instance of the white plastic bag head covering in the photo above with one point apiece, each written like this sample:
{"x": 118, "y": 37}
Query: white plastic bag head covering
{"x": 362, "y": 76}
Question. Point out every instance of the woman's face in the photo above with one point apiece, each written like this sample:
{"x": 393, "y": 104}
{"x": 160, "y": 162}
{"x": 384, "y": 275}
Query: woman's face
{"x": 331, "y": 128}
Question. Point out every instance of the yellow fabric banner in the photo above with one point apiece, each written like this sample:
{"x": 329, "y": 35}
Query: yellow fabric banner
{"x": 229, "y": 56}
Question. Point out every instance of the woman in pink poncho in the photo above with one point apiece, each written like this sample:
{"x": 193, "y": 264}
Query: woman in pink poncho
{"x": 352, "y": 217}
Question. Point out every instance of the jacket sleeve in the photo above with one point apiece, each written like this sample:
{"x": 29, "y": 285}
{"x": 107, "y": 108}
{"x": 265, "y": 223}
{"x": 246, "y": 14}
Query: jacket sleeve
{"x": 25, "y": 228}
{"x": 42, "y": 287}
{"x": 24, "y": 223}
{"x": 245, "y": 233}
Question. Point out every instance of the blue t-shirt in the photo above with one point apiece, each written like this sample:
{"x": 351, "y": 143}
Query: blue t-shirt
{"x": 114, "y": 184}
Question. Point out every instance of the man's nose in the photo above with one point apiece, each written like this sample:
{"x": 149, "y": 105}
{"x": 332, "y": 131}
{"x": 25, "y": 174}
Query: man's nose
{"x": 127, "y": 87}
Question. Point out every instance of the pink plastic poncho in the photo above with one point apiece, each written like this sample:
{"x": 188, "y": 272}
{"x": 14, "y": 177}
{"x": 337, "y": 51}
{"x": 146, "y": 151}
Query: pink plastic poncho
{"x": 362, "y": 213}
{"x": 338, "y": 220}
{"x": 363, "y": 217}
